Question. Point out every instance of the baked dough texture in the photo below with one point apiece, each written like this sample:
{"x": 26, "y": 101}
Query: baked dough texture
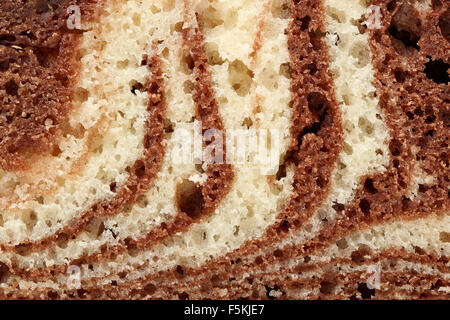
{"x": 351, "y": 99}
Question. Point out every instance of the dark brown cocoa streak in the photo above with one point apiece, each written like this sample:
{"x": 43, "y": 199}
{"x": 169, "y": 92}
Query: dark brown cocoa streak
{"x": 316, "y": 125}
{"x": 40, "y": 23}
{"x": 394, "y": 285}
{"x": 220, "y": 175}
{"x": 357, "y": 258}
{"x": 389, "y": 257}
{"x": 222, "y": 278}
{"x": 183, "y": 281}
{"x": 38, "y": 70}
{"x": 204, "y": 286}
{"x": 142, "y": 173}
{"x": 351, "y": 285}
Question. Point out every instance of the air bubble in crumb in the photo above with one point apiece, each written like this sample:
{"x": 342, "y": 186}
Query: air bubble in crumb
{"x": 211, "y": 18}
{"x": 190, "y": 199}
{"x": 281, "y": 9}
{"x": 212, "y": 52}
{"x": 360, "y": 52}
{"x": 367, "y": 126}
{"x": 81, "y": 95}
{"x": 240, "y": 77}
{"x": 285, "y": 70}
{"x": 336, "y": 14}
{"x": 444, "y": 236}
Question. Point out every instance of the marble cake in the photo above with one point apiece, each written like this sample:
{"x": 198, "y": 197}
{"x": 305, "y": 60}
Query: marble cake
{"x": 95, "y": 95}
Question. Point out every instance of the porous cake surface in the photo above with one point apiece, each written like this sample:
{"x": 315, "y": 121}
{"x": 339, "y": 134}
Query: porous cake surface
{"x": 259, "y": 149}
